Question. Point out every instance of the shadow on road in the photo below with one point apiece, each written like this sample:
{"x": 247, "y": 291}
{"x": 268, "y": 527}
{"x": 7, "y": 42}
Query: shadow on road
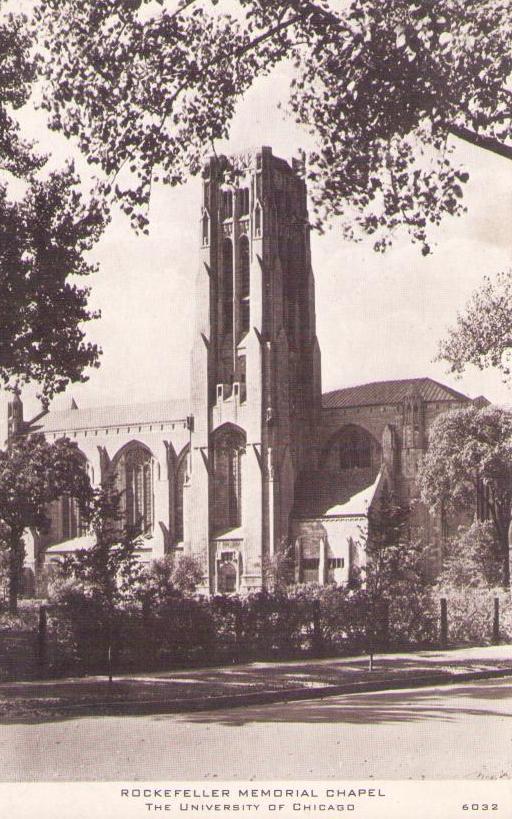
{"x": 439, "y": 704}
{"x": 365, "y": 709}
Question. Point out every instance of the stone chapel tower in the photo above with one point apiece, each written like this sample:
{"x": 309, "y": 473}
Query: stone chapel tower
{"x": 255, "y": 367}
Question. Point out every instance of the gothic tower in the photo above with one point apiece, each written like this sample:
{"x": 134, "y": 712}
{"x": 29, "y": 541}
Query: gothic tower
{"x": 255, "y": 366}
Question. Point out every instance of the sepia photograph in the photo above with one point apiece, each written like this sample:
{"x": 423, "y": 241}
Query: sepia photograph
{"x": 255, "y": 407}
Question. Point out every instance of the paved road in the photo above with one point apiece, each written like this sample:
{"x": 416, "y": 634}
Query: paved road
{"x": 452, "y": 732}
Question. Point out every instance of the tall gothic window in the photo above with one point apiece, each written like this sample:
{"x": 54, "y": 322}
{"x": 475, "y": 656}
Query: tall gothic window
{"x": 229, "y": 446}
{"x": 181, "y": 474}
{"x": 72, "y": 521}
{"x": 134, "y": 479}
{"x": 227, "y": 204}
{"x": 257, "y": 220}
{"x": 73, "y": 524}
{"x": 245, "y": 285}
{"x": 205, "y": 228}
{"x": 234, "y": 485}
{"x": 227, "y": 284}
{"x": 244, "y": 201}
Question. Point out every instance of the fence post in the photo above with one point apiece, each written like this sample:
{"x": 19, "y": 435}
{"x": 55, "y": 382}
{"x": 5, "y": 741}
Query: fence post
{"x": 444, "y": 623}
{"x": 370, "y": 633}
{"x": 496, "y": 622}
{"x": 42, "y": 632}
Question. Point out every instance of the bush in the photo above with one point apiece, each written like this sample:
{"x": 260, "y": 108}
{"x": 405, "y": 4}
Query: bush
{"x": 470, "y": 583}
{"x": 471, "y": 613}
{"x": 26, "y": 618}
{"x": 472, "y": 558}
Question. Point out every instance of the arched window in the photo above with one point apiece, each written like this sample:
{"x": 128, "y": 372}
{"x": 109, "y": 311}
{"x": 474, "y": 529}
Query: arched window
{"x": 227, "y": 284}
{"x": 229, "y": 446}
{"x": 133, "y": 470}
{"x": 353, "y": 447}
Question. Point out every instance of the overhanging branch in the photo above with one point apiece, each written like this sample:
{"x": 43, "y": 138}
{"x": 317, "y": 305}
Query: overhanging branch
{"x": 481, "y": 141}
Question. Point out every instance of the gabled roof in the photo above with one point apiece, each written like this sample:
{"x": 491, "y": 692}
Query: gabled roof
{"x": 93, "y": 417}
{"x": 390, "y": 392}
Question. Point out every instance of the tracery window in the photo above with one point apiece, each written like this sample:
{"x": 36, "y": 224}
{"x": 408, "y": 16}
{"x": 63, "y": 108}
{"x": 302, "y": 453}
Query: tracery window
{"x": 229, "y": 446}
{"x": 134, "y": 480}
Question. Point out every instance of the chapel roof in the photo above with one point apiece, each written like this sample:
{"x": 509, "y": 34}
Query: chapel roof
{"x": 111, "y": 416}
{"x": 390, "y": 392}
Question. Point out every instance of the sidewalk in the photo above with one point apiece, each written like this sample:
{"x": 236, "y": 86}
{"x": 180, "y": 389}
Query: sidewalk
{"x": 253, "y": 683}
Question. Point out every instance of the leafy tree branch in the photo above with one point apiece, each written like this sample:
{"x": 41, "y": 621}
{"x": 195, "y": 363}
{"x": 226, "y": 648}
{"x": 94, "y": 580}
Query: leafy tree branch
{"x": 154, "y": 92}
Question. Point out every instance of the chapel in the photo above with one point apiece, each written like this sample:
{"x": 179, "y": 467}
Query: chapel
{"x": 256, "y": 460}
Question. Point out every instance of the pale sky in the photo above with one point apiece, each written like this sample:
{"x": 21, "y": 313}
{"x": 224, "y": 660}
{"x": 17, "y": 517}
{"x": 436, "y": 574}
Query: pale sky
{"x": 378, "y": 316}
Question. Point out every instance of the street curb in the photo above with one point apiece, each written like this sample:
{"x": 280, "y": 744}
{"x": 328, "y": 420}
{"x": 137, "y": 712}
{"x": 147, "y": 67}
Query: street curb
{"x": 190, "y": 705}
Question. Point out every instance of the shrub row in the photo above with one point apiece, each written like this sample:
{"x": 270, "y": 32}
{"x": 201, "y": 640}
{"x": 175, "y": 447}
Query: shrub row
{"x": 185, "y": 630}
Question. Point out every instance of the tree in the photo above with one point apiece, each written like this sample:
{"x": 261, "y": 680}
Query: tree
{"x": 470, "y": 559}
{"x": 394, "y": 578}
{"x": 170, "y": 577}
{"x": 44, "y": 234}
{"x": 42, "y": 240}
{"x": 381, "y": 85}
{"x": 482, "y": 335}
{"x": 33, "y": 473}
{"x": 278, "y": 569}
{"x": 108, "y": 573}
{"x": 470, "y": 450}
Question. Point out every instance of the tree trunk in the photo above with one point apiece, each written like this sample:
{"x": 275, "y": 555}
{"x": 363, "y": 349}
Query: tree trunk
{"x": 15, "y": 556}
